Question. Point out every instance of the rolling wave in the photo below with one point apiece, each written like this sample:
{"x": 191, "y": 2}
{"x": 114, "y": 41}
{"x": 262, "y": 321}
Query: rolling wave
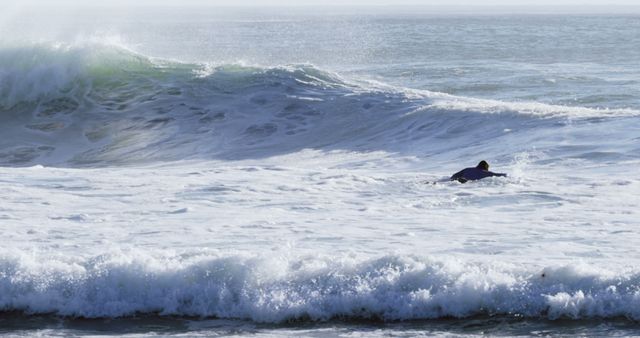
{"x": 308, "y": 288}
{"x": 97, "y": 105}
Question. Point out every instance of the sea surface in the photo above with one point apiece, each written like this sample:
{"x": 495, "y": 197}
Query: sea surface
{"x": 284, "y": 172}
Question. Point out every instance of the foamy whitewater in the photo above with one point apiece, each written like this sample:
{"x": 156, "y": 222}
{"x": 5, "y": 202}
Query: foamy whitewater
{"x": 286, "y": 174}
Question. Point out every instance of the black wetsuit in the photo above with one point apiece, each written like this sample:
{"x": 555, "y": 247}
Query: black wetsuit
{"x": 471, "y": 174}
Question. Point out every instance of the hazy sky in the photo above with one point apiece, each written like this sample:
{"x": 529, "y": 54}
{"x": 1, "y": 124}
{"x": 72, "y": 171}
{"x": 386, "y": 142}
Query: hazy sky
{"x": 335, "y": 2}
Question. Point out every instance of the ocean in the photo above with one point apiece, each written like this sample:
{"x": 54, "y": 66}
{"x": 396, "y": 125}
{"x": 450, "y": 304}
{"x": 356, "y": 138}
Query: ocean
{"x": 284, "y": 172}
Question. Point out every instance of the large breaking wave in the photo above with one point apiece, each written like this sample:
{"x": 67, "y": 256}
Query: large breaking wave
{"x": 104, "y": 105}
{"x": 284, "y": 288}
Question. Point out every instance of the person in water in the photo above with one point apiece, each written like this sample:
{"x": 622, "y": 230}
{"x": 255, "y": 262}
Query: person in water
{"x": 471, "y": 174}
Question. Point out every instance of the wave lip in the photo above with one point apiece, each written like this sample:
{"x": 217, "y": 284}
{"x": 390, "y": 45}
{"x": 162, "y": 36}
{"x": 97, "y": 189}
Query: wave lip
{"x": 282, "y": 289}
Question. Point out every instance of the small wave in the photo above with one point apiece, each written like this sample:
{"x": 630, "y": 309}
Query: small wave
{"x": 527, "y": 108}
{"x": 308, "y": 288}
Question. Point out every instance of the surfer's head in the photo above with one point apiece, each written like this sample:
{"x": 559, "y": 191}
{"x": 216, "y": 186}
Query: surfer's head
{"x": 483, "y": 165}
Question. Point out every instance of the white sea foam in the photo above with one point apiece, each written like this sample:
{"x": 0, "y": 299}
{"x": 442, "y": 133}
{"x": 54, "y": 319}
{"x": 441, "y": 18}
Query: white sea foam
{"x": 282, "y": 288}
{"x": 327, "y": 237}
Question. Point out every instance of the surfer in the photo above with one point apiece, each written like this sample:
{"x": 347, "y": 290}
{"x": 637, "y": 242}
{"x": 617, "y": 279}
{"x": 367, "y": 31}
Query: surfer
{"x": 471, "y": 174}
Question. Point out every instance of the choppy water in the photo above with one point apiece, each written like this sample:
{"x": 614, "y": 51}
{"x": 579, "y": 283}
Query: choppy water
{"x": 267, "y": 173}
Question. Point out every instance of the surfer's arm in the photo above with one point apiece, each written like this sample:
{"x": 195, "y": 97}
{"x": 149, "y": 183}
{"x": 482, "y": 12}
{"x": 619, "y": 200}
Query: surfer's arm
{"x": 498, "y": 174}
{"x": 456, "y": 176}
{"x": 459, "y": 176}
